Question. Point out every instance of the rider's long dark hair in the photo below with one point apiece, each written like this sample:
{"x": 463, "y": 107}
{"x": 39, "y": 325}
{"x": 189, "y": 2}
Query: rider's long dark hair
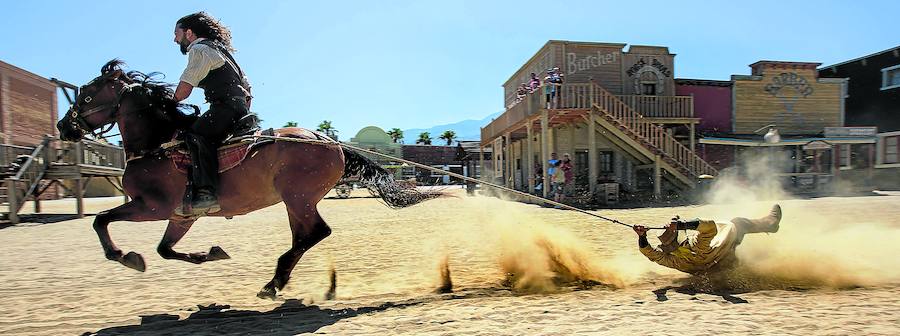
{"x": 381, "y": 183}
{"x": 205, "y": 26}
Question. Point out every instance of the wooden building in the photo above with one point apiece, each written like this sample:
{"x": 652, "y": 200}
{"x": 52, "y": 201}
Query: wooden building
{"x": 33, "y": 163}
{"x": 806, "y": 112}
{"x": 873, "y": 99}
{"x": 28, "y": 109}
{"x": 617, "y": 115}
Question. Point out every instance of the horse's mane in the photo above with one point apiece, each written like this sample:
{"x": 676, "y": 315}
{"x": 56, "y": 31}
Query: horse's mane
{"x": 159, "y": 93}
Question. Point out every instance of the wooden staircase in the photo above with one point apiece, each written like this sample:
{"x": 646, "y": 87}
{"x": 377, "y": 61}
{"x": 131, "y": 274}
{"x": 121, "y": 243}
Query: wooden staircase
{"x": 646, "y": 139}
{"x": 23, "y": 180}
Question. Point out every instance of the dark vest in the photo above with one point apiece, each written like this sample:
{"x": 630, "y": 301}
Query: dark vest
{"x": 225, "y": 82}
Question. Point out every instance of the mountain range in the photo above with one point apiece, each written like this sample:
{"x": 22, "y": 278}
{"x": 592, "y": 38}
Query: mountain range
{"x": 465, "y": 130}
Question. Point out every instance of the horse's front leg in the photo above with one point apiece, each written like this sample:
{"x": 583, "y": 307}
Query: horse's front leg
{"x": 176, "y": 229}
{"x": 136, "y": 210}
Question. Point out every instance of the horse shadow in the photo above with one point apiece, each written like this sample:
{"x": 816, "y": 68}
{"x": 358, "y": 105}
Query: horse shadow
{"x": 291, "y": 318}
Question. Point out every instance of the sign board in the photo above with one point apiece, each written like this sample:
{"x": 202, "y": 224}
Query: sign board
{"x": 817, "y": 144}
{"x": 851, "y": 131}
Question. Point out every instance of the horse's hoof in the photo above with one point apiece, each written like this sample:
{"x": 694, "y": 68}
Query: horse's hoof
{"x": 216, "y": 253}
{"x": 266, "y": 293}
{"x": 134, "y": 261}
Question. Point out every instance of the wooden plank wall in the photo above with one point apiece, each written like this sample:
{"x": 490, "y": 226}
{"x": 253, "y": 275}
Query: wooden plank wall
{"x": 537, "y": 64}
{"x": 600, "y": 62}
{"x": 793, "y": 99}
{"x": 640, "y": 59}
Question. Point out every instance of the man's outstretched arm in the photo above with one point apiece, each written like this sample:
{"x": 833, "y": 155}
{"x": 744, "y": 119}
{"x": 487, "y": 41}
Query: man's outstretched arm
{"x": 654, "y": 254}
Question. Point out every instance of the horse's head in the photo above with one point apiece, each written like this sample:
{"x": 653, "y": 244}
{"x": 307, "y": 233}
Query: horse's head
{"x": 96, "y": 105}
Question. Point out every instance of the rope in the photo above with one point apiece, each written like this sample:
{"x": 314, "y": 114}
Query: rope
{"x": 445, "y": 172}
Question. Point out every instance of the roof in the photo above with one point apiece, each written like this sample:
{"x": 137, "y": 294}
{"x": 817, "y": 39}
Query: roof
{"x": 864, "y": 57}
{"x": 27, "y": 75}
{"x": 550, "y": 42}
{"x": 703, "y": 82}
{"x": 758, "y": 142}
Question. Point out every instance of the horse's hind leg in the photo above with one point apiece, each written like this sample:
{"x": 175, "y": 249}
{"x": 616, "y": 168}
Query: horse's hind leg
{"x": 307, "y": 230}
{"x": 176, "y": 230}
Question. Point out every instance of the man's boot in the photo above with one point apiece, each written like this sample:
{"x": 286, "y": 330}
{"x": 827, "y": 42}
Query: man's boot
{"x": 204, "y": 175}
{"x": 768, "y": 223}
{"x": 204, "y": 202}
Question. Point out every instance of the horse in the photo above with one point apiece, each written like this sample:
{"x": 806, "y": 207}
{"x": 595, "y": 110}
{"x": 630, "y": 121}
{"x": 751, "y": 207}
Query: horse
{"x": 296, "y": 173}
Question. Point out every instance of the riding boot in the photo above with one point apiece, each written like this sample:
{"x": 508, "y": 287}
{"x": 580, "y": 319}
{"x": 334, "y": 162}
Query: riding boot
{"x": 204, "y": 174}
{"x": 768, "y": 223}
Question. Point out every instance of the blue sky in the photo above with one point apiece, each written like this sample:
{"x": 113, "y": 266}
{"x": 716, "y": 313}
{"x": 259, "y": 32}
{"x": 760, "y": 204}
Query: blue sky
{"x": 414, "y": 64}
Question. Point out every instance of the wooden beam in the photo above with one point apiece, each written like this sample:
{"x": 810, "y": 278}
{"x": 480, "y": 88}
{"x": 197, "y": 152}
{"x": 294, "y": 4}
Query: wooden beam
{"x": 507, "y": 161}
{"x": 79, "y": 197}
{"x": 529, "y": 157}
{"x": 12, "y": 197}
{"x": 693, "y": 139}
{"x": 593, "y": 170}
{"x": 545, "y": 152}
{"x": 657, "y": 178}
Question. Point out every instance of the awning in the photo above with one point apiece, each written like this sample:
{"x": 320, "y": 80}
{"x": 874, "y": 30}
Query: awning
{"x": 786, "y": 142}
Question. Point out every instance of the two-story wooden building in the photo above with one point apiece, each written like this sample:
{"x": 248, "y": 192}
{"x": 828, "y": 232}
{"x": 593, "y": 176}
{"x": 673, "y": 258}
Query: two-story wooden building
{"x": 873, "y": 100}
{"x": 789, "y": 99}
{"x": 617, "y": 114}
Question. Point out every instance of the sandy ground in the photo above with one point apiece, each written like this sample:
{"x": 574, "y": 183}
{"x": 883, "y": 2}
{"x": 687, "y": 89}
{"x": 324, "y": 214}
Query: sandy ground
{"x": 831, "y": 270}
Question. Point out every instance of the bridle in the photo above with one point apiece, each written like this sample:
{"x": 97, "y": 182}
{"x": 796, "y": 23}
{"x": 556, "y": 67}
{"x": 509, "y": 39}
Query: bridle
{"x": 79, "y": 118}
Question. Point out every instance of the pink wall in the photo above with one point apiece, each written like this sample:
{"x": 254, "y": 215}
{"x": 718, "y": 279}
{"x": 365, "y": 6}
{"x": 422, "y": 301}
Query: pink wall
{"x": 712, "y": 104}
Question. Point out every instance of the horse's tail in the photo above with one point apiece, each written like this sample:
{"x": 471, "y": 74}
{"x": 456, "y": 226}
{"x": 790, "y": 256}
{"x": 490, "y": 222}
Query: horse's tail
{"x": 381, "y": 182}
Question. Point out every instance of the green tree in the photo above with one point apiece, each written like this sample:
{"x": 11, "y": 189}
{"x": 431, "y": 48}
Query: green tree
{"x": 424, "y": 138}
{"x": 448, "y": 136}
{"x": 290, "y": 124}
{"x": 396, "y": 134}
{"x": 325, "y": 127}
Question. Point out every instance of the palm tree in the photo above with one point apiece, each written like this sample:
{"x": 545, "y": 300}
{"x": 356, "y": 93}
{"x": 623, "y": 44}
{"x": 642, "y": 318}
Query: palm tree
{"x": 449, "y": 136}
{"x": 396, "y": 134}
{"x": 290, "y": 124}
{"x": 424, "y": 138}
{"x": 325, "y": 127}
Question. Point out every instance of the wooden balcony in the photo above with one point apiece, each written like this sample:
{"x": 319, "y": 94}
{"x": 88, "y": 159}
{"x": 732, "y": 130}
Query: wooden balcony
{"x": 660, "y": 106}
{"x": 581, "y": 96}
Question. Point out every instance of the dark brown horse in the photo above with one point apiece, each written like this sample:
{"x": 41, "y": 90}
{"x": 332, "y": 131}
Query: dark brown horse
{"x": 298, "y": 174}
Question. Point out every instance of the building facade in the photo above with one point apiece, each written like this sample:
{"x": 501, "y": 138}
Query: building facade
{"x": 873, "y": 100}
{"x": 617, "y": 115}
{"x": 28, "y": 110}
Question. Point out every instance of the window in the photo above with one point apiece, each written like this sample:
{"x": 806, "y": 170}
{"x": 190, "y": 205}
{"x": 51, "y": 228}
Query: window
{"x": 605, "y": 162}
{"x": 648, "y": 81}
{"x": 890, "y": 149}
{"x": 890, "y": 77}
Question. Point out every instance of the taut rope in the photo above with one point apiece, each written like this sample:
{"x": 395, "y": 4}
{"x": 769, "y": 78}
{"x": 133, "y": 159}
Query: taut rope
{"x": 465, "y": 178}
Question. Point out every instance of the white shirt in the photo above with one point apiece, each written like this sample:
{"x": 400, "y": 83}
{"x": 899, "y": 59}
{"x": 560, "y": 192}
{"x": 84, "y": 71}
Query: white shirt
{"x": 201, "y": 59}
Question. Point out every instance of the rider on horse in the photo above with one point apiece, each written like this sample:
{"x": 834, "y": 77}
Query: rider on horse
{"x": 207, "y": 43}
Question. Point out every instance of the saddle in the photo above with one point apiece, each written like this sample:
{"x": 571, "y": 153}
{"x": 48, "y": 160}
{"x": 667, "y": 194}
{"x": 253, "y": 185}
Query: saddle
{"x": 235, "y": 149}
{"x": 231, "y": 153}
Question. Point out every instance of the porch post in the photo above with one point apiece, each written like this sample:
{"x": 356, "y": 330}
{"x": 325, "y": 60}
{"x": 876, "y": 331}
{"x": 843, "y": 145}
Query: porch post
{"x": 657, "y": 178}
{"x": 545, "y": 152}
{"x": 529, "y": 157}
{"x": 592, "y": 153}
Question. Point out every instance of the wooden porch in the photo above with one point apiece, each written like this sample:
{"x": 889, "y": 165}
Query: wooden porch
{"x": 627, "y": 128}
{"x": 30, "y": 171}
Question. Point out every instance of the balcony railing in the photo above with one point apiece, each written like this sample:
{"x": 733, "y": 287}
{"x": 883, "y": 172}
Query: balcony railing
{"x": 660, "y": 106}
{"x": 582, "y": 96}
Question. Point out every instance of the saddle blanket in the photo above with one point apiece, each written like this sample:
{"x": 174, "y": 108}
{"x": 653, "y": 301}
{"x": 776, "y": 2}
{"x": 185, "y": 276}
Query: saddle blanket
{"x": 229, "y": 156}
{"x": 236, "y": 150}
